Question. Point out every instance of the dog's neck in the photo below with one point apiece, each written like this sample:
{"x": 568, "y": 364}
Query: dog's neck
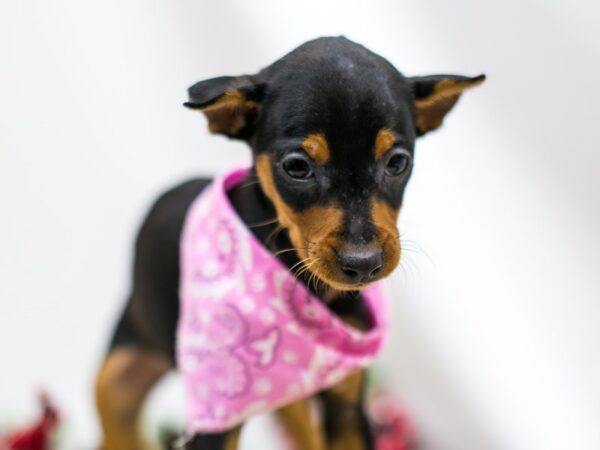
{"x": 258, "y": 213}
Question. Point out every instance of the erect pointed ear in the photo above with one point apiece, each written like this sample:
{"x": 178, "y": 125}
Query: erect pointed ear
{"x": 435, "y": 95}
{"x": 229, "y": 103}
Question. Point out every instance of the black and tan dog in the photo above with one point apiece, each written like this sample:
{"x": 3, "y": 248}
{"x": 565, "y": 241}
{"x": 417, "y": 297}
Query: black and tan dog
{"x": 332, "y": 128}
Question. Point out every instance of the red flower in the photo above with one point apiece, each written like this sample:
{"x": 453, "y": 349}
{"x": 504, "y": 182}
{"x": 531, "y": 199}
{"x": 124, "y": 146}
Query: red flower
{"x": 393, "y": 430}
{"x": 35, "y": 437}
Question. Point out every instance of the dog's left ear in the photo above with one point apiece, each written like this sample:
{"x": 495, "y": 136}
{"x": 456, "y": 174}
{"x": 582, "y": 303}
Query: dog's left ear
{"x": 435, "y": 95}
{"x": 229, "y": 103}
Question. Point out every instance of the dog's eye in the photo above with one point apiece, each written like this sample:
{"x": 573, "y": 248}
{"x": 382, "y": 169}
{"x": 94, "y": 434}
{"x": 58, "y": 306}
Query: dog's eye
{"x": 297, "y": 167}
{"x": 397, "y": 163}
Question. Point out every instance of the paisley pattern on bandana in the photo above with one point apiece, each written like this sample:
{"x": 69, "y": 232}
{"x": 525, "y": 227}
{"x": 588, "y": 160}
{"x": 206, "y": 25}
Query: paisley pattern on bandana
{"x": 250, "y": 337}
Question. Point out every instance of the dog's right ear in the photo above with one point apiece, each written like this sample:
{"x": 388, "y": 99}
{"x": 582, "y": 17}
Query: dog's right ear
{"x": 229, "y": 103}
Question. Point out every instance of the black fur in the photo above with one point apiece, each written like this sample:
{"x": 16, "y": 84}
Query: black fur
{"x": 330, "y": 86}
{"x": 150, "y": 317}
{"x": 341, "y": 89}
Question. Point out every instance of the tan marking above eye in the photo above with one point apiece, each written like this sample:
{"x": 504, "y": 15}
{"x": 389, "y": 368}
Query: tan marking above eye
{"x": 315, "y": 145}
{"x": 384, "y": 141}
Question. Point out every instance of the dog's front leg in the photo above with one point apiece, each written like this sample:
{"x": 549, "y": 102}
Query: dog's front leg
{"x": 345, "y": 421}
{"x": 301, "y": 427}
{"x": 227, "y": 440}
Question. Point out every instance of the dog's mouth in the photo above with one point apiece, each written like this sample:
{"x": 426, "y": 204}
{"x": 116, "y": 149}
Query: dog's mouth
{"x": 347, "y": 267}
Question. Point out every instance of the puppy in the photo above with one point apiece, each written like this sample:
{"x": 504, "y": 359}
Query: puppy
{"x": 332, "y": 130}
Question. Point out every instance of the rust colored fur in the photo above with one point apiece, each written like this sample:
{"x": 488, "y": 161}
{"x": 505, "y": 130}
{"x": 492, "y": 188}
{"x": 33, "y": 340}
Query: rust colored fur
{"x": 384, "y": 141}
{"x": 228, "y": 114}
{"x": 317, "y": 148}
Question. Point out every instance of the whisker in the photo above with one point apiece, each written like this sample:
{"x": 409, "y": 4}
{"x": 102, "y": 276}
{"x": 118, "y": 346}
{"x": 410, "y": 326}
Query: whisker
{"x": 302, "y": 261}
{"x": 307, "y": 268}
{"x": 307, "y": 262}
{"x": 249, "y": 183}
{"x": 273, "y": 234}
{"x": 415, "y": 247}
{"x": 311, "y": 278}
{"x": 285, "y": 250}
{"x": 319, "y": 283}
{"x": 412, "y": 269}
{"x": 264, "y": 223}
{"x": 301, "y": 272}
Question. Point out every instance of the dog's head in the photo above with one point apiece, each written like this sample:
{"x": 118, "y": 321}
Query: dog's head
{"x": 332, "y": 127}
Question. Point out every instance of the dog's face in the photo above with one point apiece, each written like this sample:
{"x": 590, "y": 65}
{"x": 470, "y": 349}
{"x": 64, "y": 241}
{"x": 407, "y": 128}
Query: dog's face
{"x": 332, "y": 127}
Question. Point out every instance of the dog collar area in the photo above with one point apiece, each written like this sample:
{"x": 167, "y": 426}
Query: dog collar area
{"x": 252, "y": 338}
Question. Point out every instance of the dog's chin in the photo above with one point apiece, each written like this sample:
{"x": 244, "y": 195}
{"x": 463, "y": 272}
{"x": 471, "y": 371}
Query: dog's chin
{"x": 347, "y": 287}
{"x": 323, "y": 270}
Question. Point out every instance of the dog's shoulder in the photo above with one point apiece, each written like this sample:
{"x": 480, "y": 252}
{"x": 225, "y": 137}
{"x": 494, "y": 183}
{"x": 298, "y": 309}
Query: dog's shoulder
{"x": 172, "y": 205}
{"x": 157, "y": 244}
{"x": 151, "y": 316}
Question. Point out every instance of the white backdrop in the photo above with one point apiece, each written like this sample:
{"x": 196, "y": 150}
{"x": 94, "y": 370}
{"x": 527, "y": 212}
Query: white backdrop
{"x": 495, "y": 342}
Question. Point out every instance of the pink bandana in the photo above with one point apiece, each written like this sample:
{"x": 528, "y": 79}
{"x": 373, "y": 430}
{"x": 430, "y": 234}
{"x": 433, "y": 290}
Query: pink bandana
{"x": 251, "y": 338}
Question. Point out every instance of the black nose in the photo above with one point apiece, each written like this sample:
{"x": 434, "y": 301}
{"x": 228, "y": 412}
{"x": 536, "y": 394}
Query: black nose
{"x": 360, "y": 265}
